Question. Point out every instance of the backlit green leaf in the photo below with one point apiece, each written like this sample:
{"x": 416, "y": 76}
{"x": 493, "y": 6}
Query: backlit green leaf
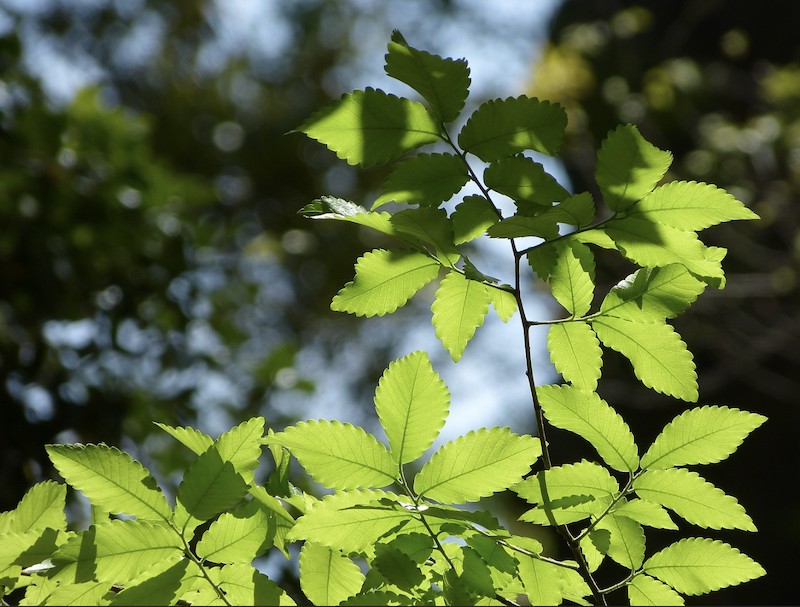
{"x": 628, "y": 167}
{"x": 696, "y": 566}
{"x": 645, "y": 513}
{"x": 525, "y": 182}
{"x": 337, "y": 455}
{"x": 541, "y": 580}
{"x": 587, "y": 415}
{"x": 688, "y": 205}
{"x": 567, "y": 493}
{"x": 476, "y": 465}
{"x": 626, "y": 540}
{"x": 396, "y": 566}
{"x": 459, "y": 308}
{"x": 114, "y": 551}
{"x": 385, "y": 281}
{"x": 371, "y": 127}
{"x": 692, "y": 497}
{"x": 352, "y": 521}
{"x": 705, "y": 435}
{"x": 243, "y": 584}
{"x": 659, "y": 357}
{"x": 41, "y": 507}
{"x": 188, "y": 437}
{"x": 327, "y": 577}
{"x": 572, "y": 276}
{"x": 160, "y": 588}
{"x": 576, "y": 210}
{"x": 653, "y": 294}
{"x": 504, "y": 127}
{"x": 111, "y": 479}
{"x": 412, "y": 403}
{"x": 238, "y": 536}
{"x": 646, "y": 591}
{"x": 241, "y": 446}
{"x": 86, "y": 593}
{"x": 444, "y": 83}
{"x": 431, "y": 226}
{"x": 504, "y": 302}
{"x": 210, "y": 486}
{"x": 471, "y": 218}
{"x": 575, "y": 352}
{"x": 654, "y": 245}
{"x": 425, "y": 179}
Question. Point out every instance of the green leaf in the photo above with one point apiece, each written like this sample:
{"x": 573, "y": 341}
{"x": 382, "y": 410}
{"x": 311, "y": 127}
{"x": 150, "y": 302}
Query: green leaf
{"x": 626, "y": 540}
{"x": 412, "y": 403}
{"x": 277, "y": 515}
{"x": 575, "y": 352}
{"x": 628, "y": 167}
{"x": 688, "y": 205}
{"x": 327, "y": 577}
{"x": 653, "y": 294}
{"x": 337, "y": 455}
{"x": 237, "y": 537}
{"x": 26, "y": 548}
{"x": 475, "y": 573}
{"x": 504, "y": 302}
{"x": 111, "y": 479}
{"x": 241, "y": 446}
{"x": 41, "y": 507}
{"x": 692, "y": 497}
{"x": 86, "y": 593}
{"x": 114, "y": 551}
{"x": 431, "y": 226}
{"x": 568, "y": 493}
{"x": 594, "y": 546}
{"x": 541, "y": 581}
{"x": 459, "y": 308}
{"x": 371, "y": 127}
{"x": 705, "y": 435}
{"x": 659, "y": 357}
{"x": 572, "y": 276}
{"x": 385, "y": 281}
{"x": 396, "y": 566}
{"x": 646, "y": 591}
{"x": 524, "y": 181}
{"x": 244, "y": 585}
{"x": 654, "y": 245}
{"x": 504, "y": 127}
{"x": 210, "y": 486}
{"x": 471, "y": 218}
{"x": 444, "y": 83}
{"x": 188, "y": 437}
{"x": 697, "y": 565}
{"x": 646, "y": 513}
{"x": 160, "y": 588}
{"x": 425, "y": 179}
{"x": 477, "y": 465}
{"x": 587, "y": 415}
{"x": 352, "y": 521}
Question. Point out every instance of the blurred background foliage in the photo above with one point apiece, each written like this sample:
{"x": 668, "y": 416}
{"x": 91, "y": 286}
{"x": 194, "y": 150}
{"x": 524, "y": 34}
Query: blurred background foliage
{"x": 154, "y": 268}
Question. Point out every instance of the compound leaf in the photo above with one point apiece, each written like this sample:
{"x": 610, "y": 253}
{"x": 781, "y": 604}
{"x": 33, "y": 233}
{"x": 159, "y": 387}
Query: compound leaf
{"x": 444, "y": 83}
{"x": 371, "y": 127}
{"x": 476, "y": 465}
{"x": 425, "y": 179}
{"x": 646, "y": 591}
{"x": 572, "y": 276}
{"x": 590, "y": 417}
{"x": 110, "y": 479}
{"x": 385, "y": 281}
{"x": 504, "y": 127}
{"x": 524, "y": 181}
{"x": 692, "y": 497}
{"x": 459, "y": 308}
{"x": 471, "y": 218}
{"x": 705, "y": 435}
{"x": 628, "y": 167}
{"x": 653, "y": 294}
{"x": 327, "y": 577}
{"x": 113, "y": 551}
{"x": 575, "y": 352}
{"x": 697, "y": 566}
{"x": 412, "y": 403}
{"x": 659, "y": 357}
{"x": 337, "y": 455}
{"x": 688, "y": 205}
